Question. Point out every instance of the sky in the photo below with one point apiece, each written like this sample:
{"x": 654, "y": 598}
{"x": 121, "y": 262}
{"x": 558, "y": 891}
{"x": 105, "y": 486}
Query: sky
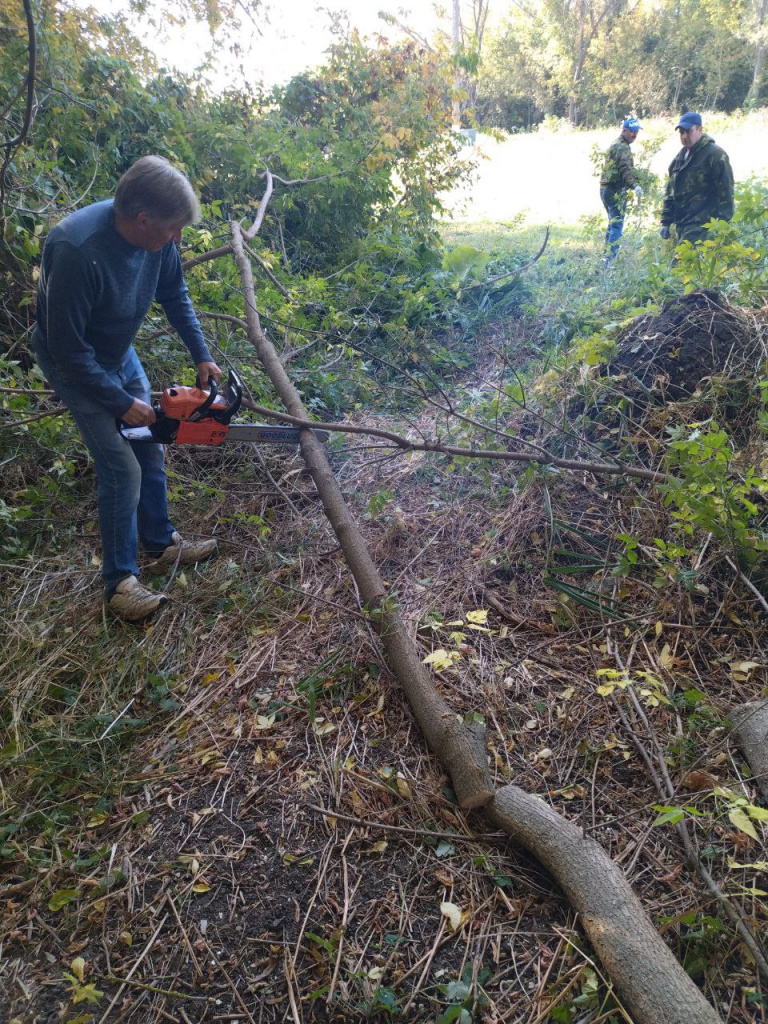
{"x": 294, "y": 35}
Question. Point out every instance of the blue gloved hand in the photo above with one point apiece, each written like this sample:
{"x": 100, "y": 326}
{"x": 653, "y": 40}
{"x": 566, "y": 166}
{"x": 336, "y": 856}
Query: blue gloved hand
{"x": 664, "y": 232}
{"x": 638, "y": 192}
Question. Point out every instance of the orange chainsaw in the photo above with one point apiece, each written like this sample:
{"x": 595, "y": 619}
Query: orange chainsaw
{"x": 195, "y": 416}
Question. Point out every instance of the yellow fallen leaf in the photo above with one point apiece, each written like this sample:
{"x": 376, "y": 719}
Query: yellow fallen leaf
{"x": 742, "y": 671}
{"x": 402, "y": 786}
{"x": 78, "y": 968}
{"x": 378, "y": 847}
{"x": 377, "y": 710}
{"x": 201, "y": 887}
{"x": 452, "y": 914}
{"x": 441, "y": 659}
{"x": 264, "y": 721}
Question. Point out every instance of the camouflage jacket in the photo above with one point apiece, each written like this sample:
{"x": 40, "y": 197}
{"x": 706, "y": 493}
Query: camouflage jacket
{"x": 700, "y": 187}
{"x": 619, "y": 168}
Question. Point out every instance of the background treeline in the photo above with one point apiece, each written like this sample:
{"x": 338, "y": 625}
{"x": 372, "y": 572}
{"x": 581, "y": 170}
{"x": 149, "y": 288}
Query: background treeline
{"x": 593, "y": 60}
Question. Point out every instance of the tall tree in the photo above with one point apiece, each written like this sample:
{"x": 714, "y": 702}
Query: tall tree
{"x": 757, "y": 31}
{"x": 576, "y": 25}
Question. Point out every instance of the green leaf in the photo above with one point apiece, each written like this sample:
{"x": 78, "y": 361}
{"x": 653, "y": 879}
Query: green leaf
{"x": 694, "y": 696}
{"x": 450, "y": 1015}
{"x": 456, "y": 991}
{"x": 386, "y": 999}
{"x": 86, "y": 994}
{"x": 669, "y": 815}
{"x": 742, "y": 822}
{"x": 465, "y": 261}
{"x": 61, "y": 898}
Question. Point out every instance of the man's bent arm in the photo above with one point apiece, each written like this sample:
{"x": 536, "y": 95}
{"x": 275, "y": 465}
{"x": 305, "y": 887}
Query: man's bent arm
{"x": 626, "y": 167}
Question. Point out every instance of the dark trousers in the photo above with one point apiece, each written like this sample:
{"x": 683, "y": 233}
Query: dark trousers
{"x": 615, "y": 204}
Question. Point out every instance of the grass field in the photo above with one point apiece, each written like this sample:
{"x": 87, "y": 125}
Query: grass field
{"x": 546, "y": 177}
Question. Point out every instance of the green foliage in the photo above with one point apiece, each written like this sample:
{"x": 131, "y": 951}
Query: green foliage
{"x": 356, "y": 268}
{"x": 708, "y": 492}
{"x": 463, "y": 998}
{"x": 597, "y": 61}
{"x": 732, "y": 259}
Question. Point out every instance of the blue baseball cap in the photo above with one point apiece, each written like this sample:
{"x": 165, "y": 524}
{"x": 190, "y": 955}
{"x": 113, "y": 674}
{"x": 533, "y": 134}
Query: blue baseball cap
{"x": 631, "y": 124}
{"x": 689, "y": 120}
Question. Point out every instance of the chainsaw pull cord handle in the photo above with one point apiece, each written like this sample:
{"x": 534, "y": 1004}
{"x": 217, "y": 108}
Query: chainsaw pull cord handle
{"x": 203, "y": 409}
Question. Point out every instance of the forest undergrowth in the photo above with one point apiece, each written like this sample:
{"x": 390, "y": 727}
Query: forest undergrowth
{"x": 227, "y": 814}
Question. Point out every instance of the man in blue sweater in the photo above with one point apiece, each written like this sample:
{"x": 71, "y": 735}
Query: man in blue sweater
{"x": 102, "y": 268}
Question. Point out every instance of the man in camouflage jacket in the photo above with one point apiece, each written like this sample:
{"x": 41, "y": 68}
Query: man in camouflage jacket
{"x": 617, "y": 178}
{"x": 700, "y": 184}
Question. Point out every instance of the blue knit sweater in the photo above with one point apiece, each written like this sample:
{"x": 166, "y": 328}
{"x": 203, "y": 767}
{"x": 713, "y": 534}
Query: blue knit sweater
{"x": 94, "y": 291}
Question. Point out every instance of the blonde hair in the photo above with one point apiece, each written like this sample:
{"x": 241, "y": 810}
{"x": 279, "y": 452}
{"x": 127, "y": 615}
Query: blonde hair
{"x": 154, "y": 187}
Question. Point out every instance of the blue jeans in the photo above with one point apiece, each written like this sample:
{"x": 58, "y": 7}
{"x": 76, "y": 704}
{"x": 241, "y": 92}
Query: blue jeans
{"x": 133, "y": 497}
{"x": 615, "y": 204}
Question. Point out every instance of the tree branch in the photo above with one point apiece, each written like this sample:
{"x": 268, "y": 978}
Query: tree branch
{"x": 30, "y": 82}
{"x": 512, "y": 273}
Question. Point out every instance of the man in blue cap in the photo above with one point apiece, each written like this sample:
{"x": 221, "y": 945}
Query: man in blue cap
{"x": 700, "y": 184}
{"x": 618, "y": 177}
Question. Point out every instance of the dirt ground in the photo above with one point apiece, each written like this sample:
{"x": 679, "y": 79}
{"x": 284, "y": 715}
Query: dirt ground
{"x": 229, "y": 815}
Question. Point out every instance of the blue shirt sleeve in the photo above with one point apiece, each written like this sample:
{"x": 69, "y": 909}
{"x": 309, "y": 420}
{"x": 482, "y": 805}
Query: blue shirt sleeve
{"x": 71, "y": 292}
{"x": 173, "y": 295}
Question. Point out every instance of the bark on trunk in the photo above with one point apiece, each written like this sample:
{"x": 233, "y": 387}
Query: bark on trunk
{"x": 750, "y": 727}
{"x": 652, "y": 984}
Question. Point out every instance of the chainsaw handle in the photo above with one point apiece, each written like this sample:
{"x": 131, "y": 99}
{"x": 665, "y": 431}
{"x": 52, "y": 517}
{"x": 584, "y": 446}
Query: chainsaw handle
{"x": 213, "y": 392}
{"x": 234, "y": 396}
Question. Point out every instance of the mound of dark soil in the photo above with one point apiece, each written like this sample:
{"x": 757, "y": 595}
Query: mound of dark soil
{"x": 692, "y": 337}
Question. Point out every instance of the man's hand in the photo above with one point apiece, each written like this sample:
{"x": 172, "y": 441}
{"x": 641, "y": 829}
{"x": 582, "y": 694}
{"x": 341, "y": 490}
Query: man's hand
{"x": 207, "y": 370}
{"x": 664, "y": 231}
{"x": 638, "y": 192}
{"x": 139, "y": 415}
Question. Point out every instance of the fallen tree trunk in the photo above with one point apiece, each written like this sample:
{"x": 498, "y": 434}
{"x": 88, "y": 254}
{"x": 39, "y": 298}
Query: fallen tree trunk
{"x": 649, "y": 978}
{"x": 457, "y": 743}
{"x": 750, "y": 728}
{"x": 652, "y": 984}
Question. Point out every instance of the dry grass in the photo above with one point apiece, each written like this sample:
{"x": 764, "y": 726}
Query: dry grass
{"x": 241, "y": 816}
